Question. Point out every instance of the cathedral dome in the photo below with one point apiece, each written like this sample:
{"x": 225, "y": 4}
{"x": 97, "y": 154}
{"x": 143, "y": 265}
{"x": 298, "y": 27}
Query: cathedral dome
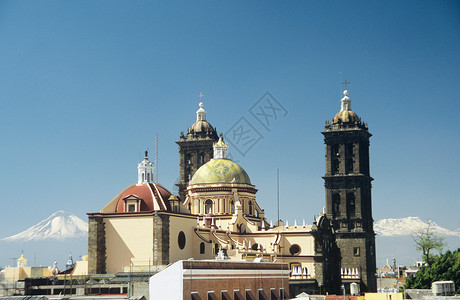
{"x": 220, "y": 170}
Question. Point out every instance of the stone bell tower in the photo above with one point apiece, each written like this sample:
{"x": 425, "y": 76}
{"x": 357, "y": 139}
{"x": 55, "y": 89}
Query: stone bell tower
{"x": 348, "y": 194}
{"x": 195, "y": 148}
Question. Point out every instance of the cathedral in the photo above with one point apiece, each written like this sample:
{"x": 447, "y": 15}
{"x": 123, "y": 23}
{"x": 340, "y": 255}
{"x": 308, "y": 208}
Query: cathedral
{"x": 146, "y": 227}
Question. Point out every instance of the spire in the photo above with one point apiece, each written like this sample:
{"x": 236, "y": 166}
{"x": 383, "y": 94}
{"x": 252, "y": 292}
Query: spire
{"x": 145, "y": 170}
{"x": 346, "y": 102}
{"x": 220, "y": 148}
{"x": 201, "y": 113}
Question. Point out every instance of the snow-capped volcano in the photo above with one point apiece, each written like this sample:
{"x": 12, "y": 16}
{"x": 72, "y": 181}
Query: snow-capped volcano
{"x": 408, "y": 226}
{"x": 60, "y": 225}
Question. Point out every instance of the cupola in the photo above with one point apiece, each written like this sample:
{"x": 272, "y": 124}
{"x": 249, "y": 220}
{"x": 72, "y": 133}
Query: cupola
{"x": 220, "y": 149}
{"x": 345, "y": 115}
{"x": 145, "y": 170}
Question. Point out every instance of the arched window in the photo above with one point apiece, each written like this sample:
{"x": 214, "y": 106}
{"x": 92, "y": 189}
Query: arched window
{"x": 250, "y": 207}
{"x": 232, "y": 207}
{"x": 335, "y": 159}
{"x": 202, "y": 248}
{"x": 351, "y": 207}
{"x": 349, "y": 158}
{"x": 143, "y": 176}
{"x": 148, "y": 177}
{"x": 336, "y": 205}
{"x": 208, "y": 207}
{"x": 201, "y": 158}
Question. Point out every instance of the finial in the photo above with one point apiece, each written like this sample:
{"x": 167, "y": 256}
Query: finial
{"x": 346, "y": 83}
{"x": 146, "y": 154}
{"x": 201, "y": 113}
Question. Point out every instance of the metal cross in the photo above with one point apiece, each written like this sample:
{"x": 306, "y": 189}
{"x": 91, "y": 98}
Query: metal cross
{"x": 201, "y": 97}
{"x": 346, "y": 82}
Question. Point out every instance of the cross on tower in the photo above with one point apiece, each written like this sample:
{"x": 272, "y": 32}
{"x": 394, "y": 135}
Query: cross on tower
{"x": 201, "y": 97}
{"x": 346, "y": 82}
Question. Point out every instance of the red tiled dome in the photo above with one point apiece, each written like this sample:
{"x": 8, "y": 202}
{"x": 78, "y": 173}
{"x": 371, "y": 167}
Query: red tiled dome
{"x": 152, "y": 197}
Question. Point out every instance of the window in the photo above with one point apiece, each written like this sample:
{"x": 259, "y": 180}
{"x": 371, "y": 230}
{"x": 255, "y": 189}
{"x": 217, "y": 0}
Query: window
{"x": 349, "y": 158}
{"x": 335, "y": 204}
{"x": 273, "y": 294}
{"x": 294, "y": 249}
{"x": 335, "y": 159}
{"x": 181, "y": 240}
{"x": 250, "y": 295}
{"x": 356, "y": 251}
{"x": 201, "y": 158}
{"x": 202, "y": 248}
{"x": 208, "y": 207}
{"x": 225, "y": 295}
{"x": 232, "y": 207}
{"x": 351, "y": 204}
{"x": 250, "y": 207}
{"x": 216, "y": 249}
{"x": 237, "y": 295}
{"x": 282, "y": 294}
{"x": 262, "y": 295}
{"x": 212, "y": 296}
{"x": 132, "y": 207}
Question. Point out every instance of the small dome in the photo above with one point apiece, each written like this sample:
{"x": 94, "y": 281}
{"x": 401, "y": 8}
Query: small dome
{"x": 152, "y": 197}
{"x": 202, "y": 127}
{"x": 345, "y": 116}
{"x": 220, "y": 171}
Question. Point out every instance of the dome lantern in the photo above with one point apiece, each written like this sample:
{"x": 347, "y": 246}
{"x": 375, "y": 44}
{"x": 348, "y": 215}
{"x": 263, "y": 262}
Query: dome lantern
{"x": 220, "y": 149}
{"x": 345, "y": 102}
{"x": 201, "y": 113}
{"x": 145, "y": 170}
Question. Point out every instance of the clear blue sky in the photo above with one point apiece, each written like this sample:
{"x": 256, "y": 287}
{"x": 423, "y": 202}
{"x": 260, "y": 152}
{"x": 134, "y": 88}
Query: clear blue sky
{"x": 85, "y": 85}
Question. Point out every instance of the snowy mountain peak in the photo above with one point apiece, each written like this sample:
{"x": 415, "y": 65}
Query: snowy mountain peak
{"x": 407, "y": 226}
{"x": 60, "y": 225}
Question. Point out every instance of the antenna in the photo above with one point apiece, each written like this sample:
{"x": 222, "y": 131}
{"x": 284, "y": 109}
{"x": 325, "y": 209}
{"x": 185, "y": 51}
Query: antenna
{"x": 155, "y": 161}
{"x": 278, "y": 190}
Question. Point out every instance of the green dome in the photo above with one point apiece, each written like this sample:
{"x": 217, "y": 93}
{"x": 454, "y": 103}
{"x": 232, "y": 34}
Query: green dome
{"x": 220, "y": 171}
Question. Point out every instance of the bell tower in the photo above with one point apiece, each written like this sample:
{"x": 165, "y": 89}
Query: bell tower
{"x": 195, "y": 148}
{"x": 348, "y": 193}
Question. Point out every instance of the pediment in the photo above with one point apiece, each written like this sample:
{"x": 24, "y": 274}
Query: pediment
{"x": 132, "y": 197}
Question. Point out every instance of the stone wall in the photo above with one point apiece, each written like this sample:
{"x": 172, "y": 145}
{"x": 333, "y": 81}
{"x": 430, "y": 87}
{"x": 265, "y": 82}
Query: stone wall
{"x": 96, "y": 245}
